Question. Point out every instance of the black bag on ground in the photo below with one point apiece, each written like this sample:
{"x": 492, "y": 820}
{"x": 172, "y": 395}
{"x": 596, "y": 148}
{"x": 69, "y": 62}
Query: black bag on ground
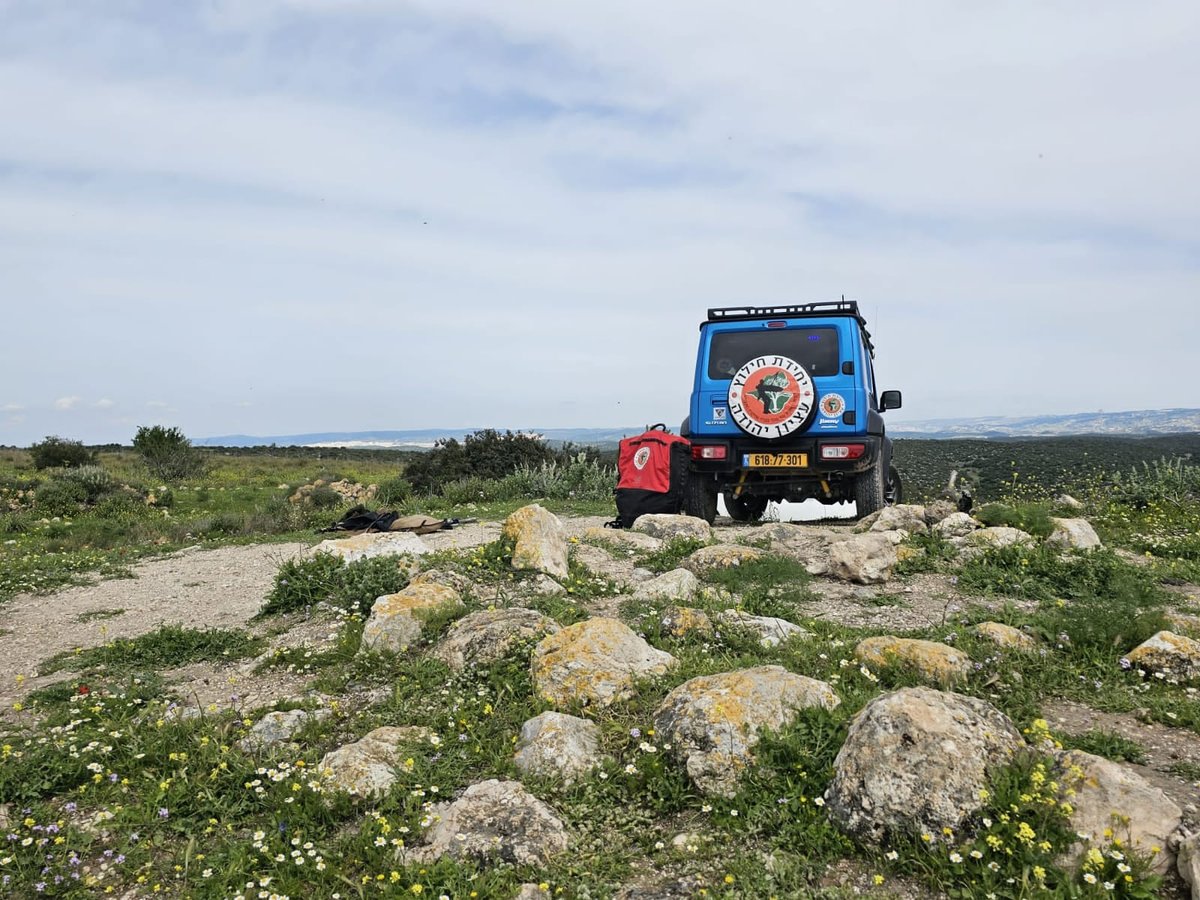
{"x": 652, "y": 469}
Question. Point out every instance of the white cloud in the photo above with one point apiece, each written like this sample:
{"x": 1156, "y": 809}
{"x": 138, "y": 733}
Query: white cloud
{"x": 104, "y": 403}
{"x": 11, "y": 407}
{"x": 65, "y": 403}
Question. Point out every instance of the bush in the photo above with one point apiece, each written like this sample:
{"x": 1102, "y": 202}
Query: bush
{"x": 486, "y": 454}
{"x": 120, "y": 506}
{"x": 1175, "y": 481}
{"x": 55, "y": 452}
{"x": 167, "y": 453}
{"x": 394, "y": 491}
{"x": 95, "y": 480}
{"x": 323, "y": 577}
{"x": 59, "y": 498}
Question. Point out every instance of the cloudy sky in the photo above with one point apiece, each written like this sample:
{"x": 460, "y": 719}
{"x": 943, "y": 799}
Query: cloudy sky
{"x": 275, "y": 216}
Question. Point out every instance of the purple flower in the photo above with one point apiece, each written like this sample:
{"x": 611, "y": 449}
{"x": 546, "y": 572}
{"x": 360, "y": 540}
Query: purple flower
{"x": 635, "y": 732}
{"x": 70, "y": 806}
{"x": 164, "y": 813}
{"x": 120, "y": 858}
{"x": 1125, "y": 663}
{"x": 40, "y": 886}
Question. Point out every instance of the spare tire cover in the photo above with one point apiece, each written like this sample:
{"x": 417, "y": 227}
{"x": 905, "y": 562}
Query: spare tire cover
{"x": 771, "y": 397}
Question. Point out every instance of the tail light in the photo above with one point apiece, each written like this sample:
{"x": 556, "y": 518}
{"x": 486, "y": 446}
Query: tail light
{"x": 842, "y": 451}
{"x": 709, "y": 451}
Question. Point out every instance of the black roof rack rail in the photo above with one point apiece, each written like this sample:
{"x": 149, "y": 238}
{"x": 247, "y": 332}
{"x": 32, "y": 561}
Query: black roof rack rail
{"x": 794, "y": 311}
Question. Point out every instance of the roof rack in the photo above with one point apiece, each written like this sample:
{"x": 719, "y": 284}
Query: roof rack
{"x": 796, "y": 311}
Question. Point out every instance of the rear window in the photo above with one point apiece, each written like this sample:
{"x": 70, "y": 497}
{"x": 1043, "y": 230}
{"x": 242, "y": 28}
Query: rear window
{"x": 814, "y": 348}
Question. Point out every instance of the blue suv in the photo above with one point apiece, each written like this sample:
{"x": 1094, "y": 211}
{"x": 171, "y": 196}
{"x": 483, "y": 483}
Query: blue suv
{"x": 784, "y": 407}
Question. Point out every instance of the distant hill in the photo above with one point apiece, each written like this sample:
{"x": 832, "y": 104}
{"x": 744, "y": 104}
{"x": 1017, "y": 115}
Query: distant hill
{"x": 1131, "y": 424}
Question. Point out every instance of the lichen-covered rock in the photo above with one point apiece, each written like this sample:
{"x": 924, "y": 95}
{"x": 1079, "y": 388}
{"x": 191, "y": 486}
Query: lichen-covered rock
{"x": 594, "y": 662}
{"x": 396, "y": 619}
{"x": 712, "y": 722}
{"x": 719, "y": 557}
{"x": 539, "y": 541}
{"x": 1074, "y": 534}
{"x": 916, "y": 760}
{"x": 487, "y": 636}
{"x": 370, "y": 545}
{"x": 901, "y": 517}
{"x": 770, "y": 630}
{"x": 1108, "y": 796}
{"x": 667, "y": 527}
{"x": 1183, "y": 623}
{"x": 1168, "y": 652}
{"x": 493, "y": 820}
{"x": 447, "y": 577}
{"x": 1005, "y": 636}
{"x": 939, "y": 663}
{"x": 278, "y": 727}
{"x": 956, "y": 525}
{"x": 864, "y": 558}
{"x": 678, "y": 586}
{"x": 557, "y": 745}
{"x": 628, "y": 540}
{"x": 681, "y": 621}
{"x": 366, "y": 768}
{"x": 998, "y": 536}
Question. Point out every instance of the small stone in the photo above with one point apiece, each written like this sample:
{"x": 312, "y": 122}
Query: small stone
{"x": 771, "y": 631}
{"x": 1005, "y": 636}
{"x": 278, "y": 727}
{"x": 931, "y": 660}
{"x": 557, "y": 745}
{"x": 720, "y": 557}
{"x": 668, "y": 527}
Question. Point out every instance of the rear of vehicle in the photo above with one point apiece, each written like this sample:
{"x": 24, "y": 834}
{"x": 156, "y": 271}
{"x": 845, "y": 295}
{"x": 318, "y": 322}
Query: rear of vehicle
{"x": 784, "y": 407}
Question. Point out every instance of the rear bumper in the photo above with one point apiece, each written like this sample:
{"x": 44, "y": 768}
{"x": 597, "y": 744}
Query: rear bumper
{"x": 735, "y": 449}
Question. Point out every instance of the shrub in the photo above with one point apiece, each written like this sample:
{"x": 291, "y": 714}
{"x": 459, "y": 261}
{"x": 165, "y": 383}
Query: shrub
{"x": 484, "y": 454}
{"x": 1032, "y": 518}
{"x": 59, "y": 498}
{"x": 1175, "y": 480}
{"x": 394, "y": 491}
{"x": 167, "y": 453}
{"x": 323, "y": 577}
{"x": 120, "y": 506}
{"x": 55, "y": 452}
{"x": 95, "y": 480}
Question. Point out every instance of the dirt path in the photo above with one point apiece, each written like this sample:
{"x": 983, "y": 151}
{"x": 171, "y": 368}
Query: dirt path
{"x": 220, "y": 588}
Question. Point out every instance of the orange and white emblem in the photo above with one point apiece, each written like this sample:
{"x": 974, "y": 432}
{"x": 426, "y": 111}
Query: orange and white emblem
{"x": 771, "y": 396}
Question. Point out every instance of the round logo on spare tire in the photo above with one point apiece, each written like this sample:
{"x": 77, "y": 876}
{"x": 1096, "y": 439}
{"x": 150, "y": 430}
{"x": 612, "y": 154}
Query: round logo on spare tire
{"x": 771, "y": 396}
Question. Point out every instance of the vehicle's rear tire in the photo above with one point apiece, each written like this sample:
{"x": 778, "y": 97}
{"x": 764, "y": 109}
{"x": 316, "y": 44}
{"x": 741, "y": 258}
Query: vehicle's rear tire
{"x": 747, "y": 508}
{"x": 700, "y": 497}
{"x": 893, "y": 490}
{"x": 869, "y": 490}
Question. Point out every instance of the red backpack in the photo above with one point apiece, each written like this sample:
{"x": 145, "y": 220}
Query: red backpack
{"x": 652, "y": 470}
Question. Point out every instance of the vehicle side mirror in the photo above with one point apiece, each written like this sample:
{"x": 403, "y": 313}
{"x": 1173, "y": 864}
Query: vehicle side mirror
{"x": 889, "y": 400}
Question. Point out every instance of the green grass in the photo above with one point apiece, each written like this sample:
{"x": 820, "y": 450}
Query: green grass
{"x": 169, "y": 646}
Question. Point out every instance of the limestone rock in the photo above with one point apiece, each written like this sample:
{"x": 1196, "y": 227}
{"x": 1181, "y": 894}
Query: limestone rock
{"x": 629, "y": 540}
{"x": 935, "y": 662}
{"x": 395, "y": 621}
{"x": 370, "y": 545}
{"x": 863, "y": 558}
{"x": 1074, "y": 534}
{"x": 1183, "y": 623}
{"x": 916, "y": 759}
{"x": 558, "y": 745}
{"x": 487, "y": 636}
{"x": 998, "y": 536}
{"x": 678, "y": 585}
{"x": 493, "y": 820}
{"x": 366, "y": 768}
{"x": 1005, "y": 636}
{"x": 1169, "y": 652}
{"x": 1109, "y": 795}
{"x": 901, "y": 517}
{"x": 681, "y": 621}
{"x": 1189, "y": 863}
{"x": 956, "y": 525}
{"x": 277, "y": 727}
{"x": 1066, "y": 501}
{"x": 770, "y": 630}
{"x": 531, "y": 891}
{"x": 447, "y": 577}
{"x": 594, "y": 662}
{"x": 666, "y": 527}
{"x": 713, "y": 721}
{"x": 540, "y": 543}
{"x": 805, "y": 544}
{"x": 719, "y": 557}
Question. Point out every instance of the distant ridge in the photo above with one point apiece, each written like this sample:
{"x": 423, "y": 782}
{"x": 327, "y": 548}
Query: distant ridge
{"x": 1130, "y": 423}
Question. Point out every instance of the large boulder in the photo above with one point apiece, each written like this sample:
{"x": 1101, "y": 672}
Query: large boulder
{"x": 539, "y": 541}
{"x": 901, "y": 517}
{"x": 1112, "y": 801}
{"x": 713, "y": 721}
{"x": 1073, "y": 534}
{"x": 667, "y": 527}
{"x": 557, "y": 745}
{"x": 370, "y": 545}
{"x": 1170, "y": 653}
{"x": 864, "y": 558}
{"x": 493, "y": 821}
{"x": 594, "y": 662}
{"x": 279, "y": 727}
{"x": 678, "y": 586}
{"x": 487, "y": 636}
{"x": 770, "y": 630}
{"x": 956, "y": 525}
{"x": 367, "y": 767}
{"x": 719, "y": 557}
{"x": 396, "y": 619}
{"x": 933, "y": 661}
{"x": 916, "y": 760}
